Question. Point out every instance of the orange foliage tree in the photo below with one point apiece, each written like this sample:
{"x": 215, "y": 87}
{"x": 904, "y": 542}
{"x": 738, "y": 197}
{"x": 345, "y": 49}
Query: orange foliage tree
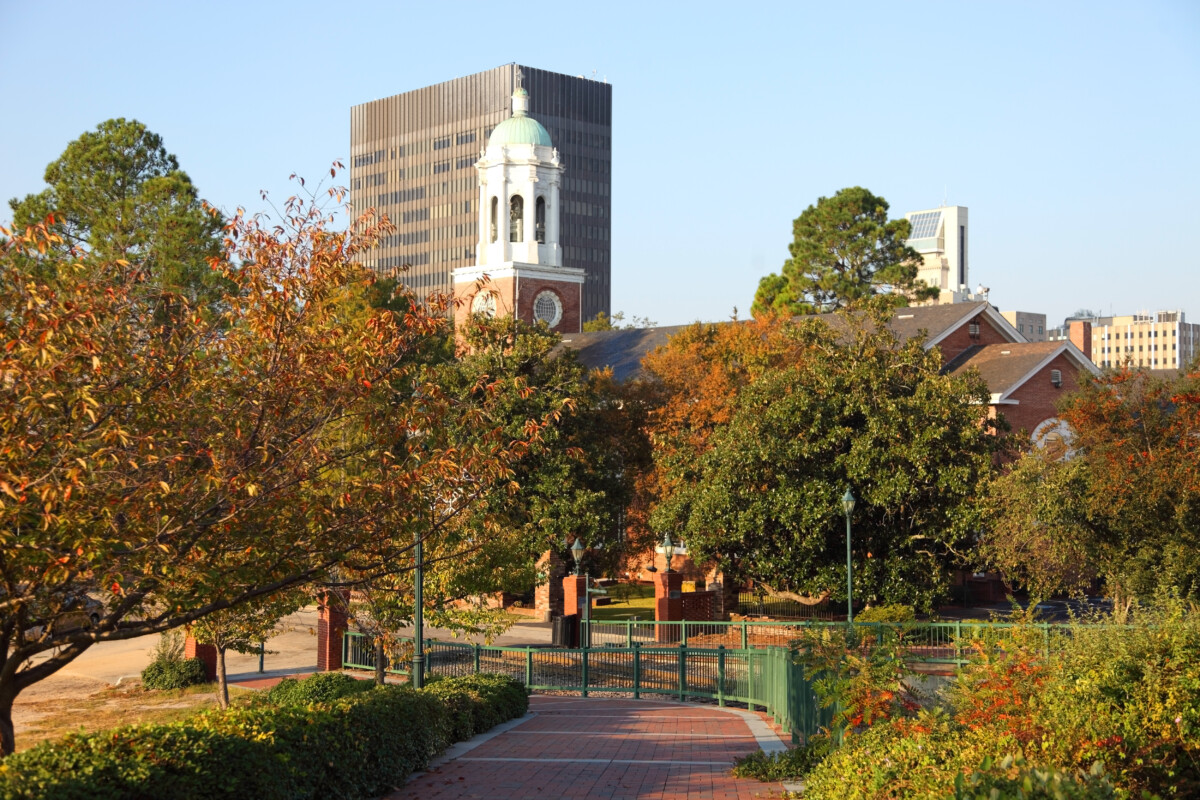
{"x": 176, "y": 468}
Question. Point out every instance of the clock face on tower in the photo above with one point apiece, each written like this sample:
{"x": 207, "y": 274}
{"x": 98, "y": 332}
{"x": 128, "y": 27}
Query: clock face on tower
{"x": 484, "y": 303}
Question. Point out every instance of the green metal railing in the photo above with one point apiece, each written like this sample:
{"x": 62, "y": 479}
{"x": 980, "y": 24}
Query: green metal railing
{"x": 765, "y": 677}
{"x": 947, "y": 643}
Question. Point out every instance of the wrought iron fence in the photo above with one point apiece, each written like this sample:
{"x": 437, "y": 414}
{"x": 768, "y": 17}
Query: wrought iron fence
{"x": 767, "y": 606}
{"x": 764, "y": 677}
{"x": 944, "y": 643}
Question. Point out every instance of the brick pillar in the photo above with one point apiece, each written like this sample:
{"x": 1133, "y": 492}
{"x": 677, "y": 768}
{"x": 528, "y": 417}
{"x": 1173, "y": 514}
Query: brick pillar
{"x": 331, "y": 624}
{"x": 668, "y": 605}
{"x": 205, "y": 652}
{"x": 1081, "y": 336}
{"x": 574, "y": 596}
{"x": 547, "y": 595}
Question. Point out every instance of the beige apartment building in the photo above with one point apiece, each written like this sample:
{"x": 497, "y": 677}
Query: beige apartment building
{"x": 1162, "y": 340}
{"x": 1031, "y": 326}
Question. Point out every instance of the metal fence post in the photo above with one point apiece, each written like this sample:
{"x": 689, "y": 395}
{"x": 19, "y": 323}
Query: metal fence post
{"x": 683, "y": 633}
{"x": 958, "y": 662}
{"x": 584, "y": 656}
{"x": 744, "y": 637}
{"x": 477, "y": 658}
{"x": 637, "y": 671}
{"x": 629, "y": 634}
{"x": 528, "y": 667}
{"x": 682, "y": 671}
{"x": 721, "y": 675}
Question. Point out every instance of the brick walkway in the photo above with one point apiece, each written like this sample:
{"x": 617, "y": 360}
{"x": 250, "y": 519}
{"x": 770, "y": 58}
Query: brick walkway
{"x": 578, "y": 748}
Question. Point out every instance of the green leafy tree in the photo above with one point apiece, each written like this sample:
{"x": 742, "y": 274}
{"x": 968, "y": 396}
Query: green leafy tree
{"x": 1125, "y": 505}
{"x": 243, "y": 629}
{"x": 603, "y": 322}
{"x": 844, "y": 250}
{"x": 854, "y": 408}
{"x": 117, "y": 197}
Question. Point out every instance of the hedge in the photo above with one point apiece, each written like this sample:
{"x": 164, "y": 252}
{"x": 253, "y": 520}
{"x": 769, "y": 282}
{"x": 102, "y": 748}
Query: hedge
{"x": 358, "y": 746}
{"x": 174, "y": 674}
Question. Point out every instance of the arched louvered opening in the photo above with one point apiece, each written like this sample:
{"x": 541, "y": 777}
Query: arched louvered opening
{"x": 516, "y": 219}
{"x": 539, "y": 220}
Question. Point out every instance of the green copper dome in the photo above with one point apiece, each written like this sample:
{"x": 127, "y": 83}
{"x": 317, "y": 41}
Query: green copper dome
{"x": 520, "y": 128}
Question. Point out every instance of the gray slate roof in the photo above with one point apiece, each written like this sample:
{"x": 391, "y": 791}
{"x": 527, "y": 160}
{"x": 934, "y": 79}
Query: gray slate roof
{"x": 623, "y": 350}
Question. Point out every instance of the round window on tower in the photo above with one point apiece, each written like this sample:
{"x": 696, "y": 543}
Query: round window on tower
{"x": 548, "y": 308}
{"x": 484, "y": 303}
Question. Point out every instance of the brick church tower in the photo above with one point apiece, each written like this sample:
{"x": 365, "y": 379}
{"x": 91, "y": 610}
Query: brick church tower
{"x": 520, "y": 268}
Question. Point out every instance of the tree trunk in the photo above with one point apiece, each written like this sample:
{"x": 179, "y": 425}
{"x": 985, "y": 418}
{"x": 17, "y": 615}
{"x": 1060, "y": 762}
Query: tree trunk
{"x": 222, "y": 683}
{"x": 380, "y": 662}
{"x": 8, "y": 740}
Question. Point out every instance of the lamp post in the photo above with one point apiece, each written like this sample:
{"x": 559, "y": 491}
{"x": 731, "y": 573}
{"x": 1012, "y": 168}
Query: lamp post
{"x": 577, "y": 554}
{"x": 848, "y": 507}
{"x": 418, "y": 659}
{"x": 668, "y": 550}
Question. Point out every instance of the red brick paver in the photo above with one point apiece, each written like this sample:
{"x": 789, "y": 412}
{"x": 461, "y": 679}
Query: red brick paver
{"x": 603, "y": 748}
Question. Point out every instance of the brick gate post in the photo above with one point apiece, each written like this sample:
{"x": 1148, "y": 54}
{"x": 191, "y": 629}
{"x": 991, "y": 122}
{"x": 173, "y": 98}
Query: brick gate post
{"x": 331, "y": 625}
{"x": 668, "y": 606}
{"x": 207, "y": 653}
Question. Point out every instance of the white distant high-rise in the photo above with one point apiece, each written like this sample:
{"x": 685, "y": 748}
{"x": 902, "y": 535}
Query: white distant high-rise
{"x": 940, "y": 235}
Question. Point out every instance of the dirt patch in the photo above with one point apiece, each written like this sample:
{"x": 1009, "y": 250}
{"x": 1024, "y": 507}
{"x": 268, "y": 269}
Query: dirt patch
{"x": 70, "y": 704}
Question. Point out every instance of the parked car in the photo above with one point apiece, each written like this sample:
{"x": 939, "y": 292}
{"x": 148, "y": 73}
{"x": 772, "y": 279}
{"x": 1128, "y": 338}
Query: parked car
{"x": 79, "y": 612}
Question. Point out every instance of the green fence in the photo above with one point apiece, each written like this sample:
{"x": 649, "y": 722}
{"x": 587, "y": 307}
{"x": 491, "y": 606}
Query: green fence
{"x": 763, "y": 677}
{"x": 936, "y": 643}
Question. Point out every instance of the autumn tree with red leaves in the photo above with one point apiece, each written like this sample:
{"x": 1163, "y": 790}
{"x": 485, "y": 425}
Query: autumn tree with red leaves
{"x": 1125, "y": 505}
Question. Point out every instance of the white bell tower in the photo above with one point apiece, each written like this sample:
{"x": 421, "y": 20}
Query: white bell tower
{"x": 520, "y": 257}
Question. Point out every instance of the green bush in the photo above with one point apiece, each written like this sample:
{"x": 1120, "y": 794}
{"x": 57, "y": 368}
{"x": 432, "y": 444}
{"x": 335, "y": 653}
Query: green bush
{"x": 790, "y": 765}
{"x": 165, "y": 674}
{"x": 478, "y": 703}
{"x": 355, "y": 746}
{"x": 323, "y": 687}
{"x": 1013, "y": 779}
{"x": 893, "y": 613}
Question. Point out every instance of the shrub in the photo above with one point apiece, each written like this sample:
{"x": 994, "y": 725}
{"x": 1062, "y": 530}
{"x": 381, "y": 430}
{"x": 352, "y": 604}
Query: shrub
{"x": 911, "y": 758}
{"x": 174, "y": 674}
{"x": 355, "y": 746}
{"x": 893, "y": 613}
{"x": 789, "y": 765}
{"x": 1013, "y": 779}
{"x": 323, "y": 687}
{"x": 477, "y": 703}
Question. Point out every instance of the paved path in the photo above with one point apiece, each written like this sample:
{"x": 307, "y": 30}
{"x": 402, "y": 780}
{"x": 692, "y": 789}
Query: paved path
{"x": 573, "y": 747}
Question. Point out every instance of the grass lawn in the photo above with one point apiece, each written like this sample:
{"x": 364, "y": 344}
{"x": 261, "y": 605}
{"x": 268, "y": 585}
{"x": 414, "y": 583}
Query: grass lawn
{"x": 113, "y": 707}
{"x": 628, "y": 601}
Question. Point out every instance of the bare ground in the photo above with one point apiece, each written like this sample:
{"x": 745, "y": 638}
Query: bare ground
{"x": 69, "y": 704}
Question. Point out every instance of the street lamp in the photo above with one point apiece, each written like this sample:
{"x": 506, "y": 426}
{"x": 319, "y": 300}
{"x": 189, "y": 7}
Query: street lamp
{"x": 577, "y": 554}
{"x": 848, "y": 507}
{"x": 668, "y": 549}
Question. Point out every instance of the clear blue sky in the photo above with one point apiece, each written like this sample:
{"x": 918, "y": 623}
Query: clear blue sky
{"x": 1070, "y": 130}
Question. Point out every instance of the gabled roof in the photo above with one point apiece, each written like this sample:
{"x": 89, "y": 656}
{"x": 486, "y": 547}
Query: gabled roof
{"x": 1005, "y": 367}
{"x": 622, "y": 350}
{"x": 938, "y": 321}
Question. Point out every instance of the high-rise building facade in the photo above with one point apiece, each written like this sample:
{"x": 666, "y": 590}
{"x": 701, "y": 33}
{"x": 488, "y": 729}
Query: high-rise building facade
{"x": 413, "y": 157}
{"x": 940, "y": 236}
{"x": 1162, "y": 340}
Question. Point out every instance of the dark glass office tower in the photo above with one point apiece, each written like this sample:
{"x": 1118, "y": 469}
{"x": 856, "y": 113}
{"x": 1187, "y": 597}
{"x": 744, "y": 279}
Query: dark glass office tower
{"x": 412, "y": 156}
